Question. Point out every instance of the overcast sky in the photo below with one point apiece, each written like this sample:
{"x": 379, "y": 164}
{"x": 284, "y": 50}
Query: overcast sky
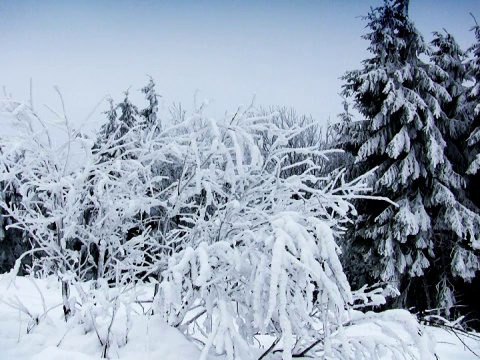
{"x": 289, "y": 53}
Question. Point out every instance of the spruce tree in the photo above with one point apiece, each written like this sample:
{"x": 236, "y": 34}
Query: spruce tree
{"x": 454, "y": 121}
{"x": 112, "y": 134}
{"x": 422, "y": 244}
{"x": 117, "y": 142}
{"x": 473, "y": 150}
{"x": 108, "y": 129}
{"x": 149, "y": 114}
{"x": 12, "y": 241}
{"x": 455, "y": 124}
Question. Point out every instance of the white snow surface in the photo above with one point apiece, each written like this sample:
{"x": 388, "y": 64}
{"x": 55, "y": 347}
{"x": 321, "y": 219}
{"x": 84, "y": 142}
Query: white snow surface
{"x": 149, "y": 336}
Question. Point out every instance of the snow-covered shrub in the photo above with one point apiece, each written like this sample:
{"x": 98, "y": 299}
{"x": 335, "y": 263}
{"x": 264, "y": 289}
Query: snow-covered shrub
{"x": 41, "y": 171}
{"x": 237, "y": 243}
{"x": 256, "y": 251}
{"x": 76, "y": 201}
{"x": 312, "y": 135}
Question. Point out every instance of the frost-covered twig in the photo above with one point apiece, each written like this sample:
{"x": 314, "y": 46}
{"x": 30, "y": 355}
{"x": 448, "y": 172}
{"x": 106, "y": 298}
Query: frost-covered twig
{"x": 270, "y": 348}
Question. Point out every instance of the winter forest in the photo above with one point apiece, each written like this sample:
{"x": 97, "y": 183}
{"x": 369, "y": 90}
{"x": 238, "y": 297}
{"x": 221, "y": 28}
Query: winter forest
{"x": 260, "y": 234}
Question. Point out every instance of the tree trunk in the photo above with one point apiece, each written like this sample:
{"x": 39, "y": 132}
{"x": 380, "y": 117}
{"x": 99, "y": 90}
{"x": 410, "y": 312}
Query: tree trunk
{"x": 67, "y": 311}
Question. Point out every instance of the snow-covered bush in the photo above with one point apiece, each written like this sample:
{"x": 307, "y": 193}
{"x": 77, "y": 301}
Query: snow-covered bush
{"x": 76, "y": 201}
{"x": 41, "y": 171}
{"x": 237, "y": 243}
{"x": 256, "y": 251}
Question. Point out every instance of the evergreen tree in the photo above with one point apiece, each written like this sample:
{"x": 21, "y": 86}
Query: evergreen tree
{"x": 13, "y": 242}
{"x": 149, "y": 114}
{"x": 422, "y": 244}
{"x": 455, "y": 123}
{"x": 456, "y": 111}
{"x": 112, "y": 134}
{"x": 116, "y": 143}
{"x": 108, "y": 129}
{"x": 128, "y": 116}
{"x": 473, "y": 150}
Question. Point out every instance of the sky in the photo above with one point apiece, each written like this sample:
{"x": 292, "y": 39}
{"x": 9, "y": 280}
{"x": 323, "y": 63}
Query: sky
{"x": 288, "y": 53}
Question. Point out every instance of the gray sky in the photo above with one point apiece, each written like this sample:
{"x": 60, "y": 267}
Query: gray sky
{"x": 288, "y": 53}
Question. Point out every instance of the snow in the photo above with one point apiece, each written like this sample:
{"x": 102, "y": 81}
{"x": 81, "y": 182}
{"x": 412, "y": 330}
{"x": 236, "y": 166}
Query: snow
{"x": 451, "y": 347}
{"x": 149, "y": 337}
{"x": 53, "y": 339}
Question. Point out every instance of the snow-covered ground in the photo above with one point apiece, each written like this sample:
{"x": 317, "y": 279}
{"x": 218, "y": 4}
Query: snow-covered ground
{"x": 53, "y": 339}
{"x": 149, "y": 337}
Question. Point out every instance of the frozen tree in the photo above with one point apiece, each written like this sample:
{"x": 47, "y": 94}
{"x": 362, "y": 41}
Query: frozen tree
{"x": 117, "y": 126}
{"x": 149, "y": 114}
{"x": 429, "y": 238}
